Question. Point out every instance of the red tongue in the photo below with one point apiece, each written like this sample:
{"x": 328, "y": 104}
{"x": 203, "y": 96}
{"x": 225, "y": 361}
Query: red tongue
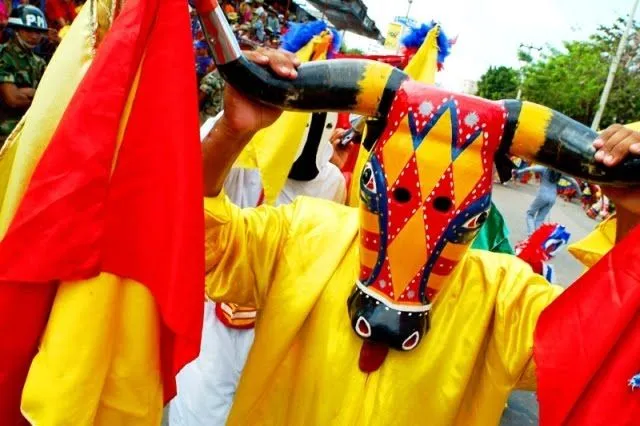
{"x": 372, "y": 356}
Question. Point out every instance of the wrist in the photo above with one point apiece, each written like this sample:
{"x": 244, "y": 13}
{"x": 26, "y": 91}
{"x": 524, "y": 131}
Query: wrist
{"x": 220, "y": 149}
{"x": 233, "y": 132}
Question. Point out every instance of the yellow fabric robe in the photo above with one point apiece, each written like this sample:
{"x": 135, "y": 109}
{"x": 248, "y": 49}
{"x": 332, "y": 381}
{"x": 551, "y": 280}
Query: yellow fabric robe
{"x": 595, "y": 245}
{"x": 298, "y": 263}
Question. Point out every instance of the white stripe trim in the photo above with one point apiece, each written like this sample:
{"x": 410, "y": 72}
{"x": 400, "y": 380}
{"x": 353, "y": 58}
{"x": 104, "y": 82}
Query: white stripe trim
{"x": 397, "y": 307}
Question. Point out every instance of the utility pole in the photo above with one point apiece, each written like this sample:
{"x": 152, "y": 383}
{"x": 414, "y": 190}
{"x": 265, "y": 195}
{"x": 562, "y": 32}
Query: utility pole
{"x": 521, "y": 73}
{"x": 614, "y": 68}
{"x": 409, "y": 8}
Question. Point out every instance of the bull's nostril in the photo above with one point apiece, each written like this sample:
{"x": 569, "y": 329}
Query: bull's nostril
{"x": 363, "y": 328}
{"x": 411, "y": 341}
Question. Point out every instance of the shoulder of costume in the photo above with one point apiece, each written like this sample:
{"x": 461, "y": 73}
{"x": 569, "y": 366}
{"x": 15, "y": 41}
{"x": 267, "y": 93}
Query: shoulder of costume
{"x": 316, "y": 213}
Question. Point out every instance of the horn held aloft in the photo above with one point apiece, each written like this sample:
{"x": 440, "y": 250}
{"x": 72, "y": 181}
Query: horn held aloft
{"x": 533, "y": 132}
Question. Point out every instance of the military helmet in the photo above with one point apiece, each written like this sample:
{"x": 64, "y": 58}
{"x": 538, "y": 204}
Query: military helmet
{"x": 27, "y": 17}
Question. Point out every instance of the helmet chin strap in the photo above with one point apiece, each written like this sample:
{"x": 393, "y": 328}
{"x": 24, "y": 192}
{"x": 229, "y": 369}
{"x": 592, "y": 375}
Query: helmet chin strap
{"x": 25, "y": 44}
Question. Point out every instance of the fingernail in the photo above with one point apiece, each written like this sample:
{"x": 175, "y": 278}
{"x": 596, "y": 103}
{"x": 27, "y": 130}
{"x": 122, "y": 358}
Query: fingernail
{"x": 293, "y": 73}
{"x": 598, "y": 143}
{"x": 635, "y": 148}
{"x": 608, "y": 159}
{"x": 296, "y": 62}
{"x": 263, "y": 58}
{"x": 599, "y": 155}
{"x": 285, "y": 70}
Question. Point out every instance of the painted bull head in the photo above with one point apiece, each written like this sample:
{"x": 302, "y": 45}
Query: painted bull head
{"x": 426, "y": 188}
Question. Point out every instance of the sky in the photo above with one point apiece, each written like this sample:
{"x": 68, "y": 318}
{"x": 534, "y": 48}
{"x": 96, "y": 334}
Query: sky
{"x": 490, "y": 31}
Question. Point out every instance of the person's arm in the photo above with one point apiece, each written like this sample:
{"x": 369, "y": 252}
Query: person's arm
{"x": 14, "y": 97}
{"x": 574, "y": 183}
{"x": 534, "y": 169}
{"x": 242, "y": 245}
{"x": 241, "y": 120}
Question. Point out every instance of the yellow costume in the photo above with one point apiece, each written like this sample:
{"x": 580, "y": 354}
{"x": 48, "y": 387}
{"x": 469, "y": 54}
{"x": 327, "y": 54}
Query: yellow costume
{"x": 595, "y": 245}
{"x": 433, "y": 331}
{"x": 299, "y": 263}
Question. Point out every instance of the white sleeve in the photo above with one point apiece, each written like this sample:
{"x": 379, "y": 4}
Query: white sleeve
{"x": 208, "y": 125}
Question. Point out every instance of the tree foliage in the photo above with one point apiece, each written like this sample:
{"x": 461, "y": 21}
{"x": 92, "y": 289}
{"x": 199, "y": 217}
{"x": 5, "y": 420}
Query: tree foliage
{"x": 498, "y": 83}
{"x": 571, "y": 80}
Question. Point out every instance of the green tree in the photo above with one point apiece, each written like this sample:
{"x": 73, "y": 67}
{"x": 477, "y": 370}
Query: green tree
{"x": 498, "y": 83}
{"x": 571, "y": 80}
{"x": 350, "y": 51}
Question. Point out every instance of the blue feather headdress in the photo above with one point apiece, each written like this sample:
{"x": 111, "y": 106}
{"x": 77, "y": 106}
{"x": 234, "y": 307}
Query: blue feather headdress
{"x": 416, "y": 36}
{"x": 301, "y": 34}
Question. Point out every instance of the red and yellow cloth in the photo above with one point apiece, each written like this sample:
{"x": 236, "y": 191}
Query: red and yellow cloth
{"x": 101, "y": 270}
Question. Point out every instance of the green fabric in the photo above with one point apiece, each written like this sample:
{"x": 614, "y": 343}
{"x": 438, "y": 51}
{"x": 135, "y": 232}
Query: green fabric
{"x": 494, "y": 234}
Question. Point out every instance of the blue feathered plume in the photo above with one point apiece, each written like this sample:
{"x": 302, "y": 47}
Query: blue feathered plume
{"x": 301, "y": 34}
{"x": 417, "y": 35}
{"x": 634, "y": 383}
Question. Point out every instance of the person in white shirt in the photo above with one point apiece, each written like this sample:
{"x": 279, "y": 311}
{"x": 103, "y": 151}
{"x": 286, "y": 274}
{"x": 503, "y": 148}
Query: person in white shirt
{"x": 207, "y": 385}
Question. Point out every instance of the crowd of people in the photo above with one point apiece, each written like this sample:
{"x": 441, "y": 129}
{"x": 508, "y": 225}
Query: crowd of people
{"x": 255, "y": 24}
{"x": 30, "y": 32}
{"x": 22, "y": 64}
{"x": 552, "y": 185}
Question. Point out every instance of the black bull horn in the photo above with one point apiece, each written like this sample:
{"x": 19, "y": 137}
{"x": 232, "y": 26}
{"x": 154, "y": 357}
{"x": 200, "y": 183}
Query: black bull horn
{"x": 364, "y": 87}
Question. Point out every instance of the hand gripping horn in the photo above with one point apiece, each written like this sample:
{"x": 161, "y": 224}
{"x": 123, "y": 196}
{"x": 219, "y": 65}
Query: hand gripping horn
{"x": 368, "y": 88}
{"x": 360, "y": 86}
{"x": 544, "y": 136}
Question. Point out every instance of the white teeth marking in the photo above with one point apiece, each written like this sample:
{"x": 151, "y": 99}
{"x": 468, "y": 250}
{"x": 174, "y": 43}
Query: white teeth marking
{"x": 411, "y": 341}
{"x": 363, "y": 328}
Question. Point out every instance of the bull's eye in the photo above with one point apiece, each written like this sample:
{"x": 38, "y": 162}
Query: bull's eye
{"x": 368, "y": 178}
{"x": 401, "y": 195}
{"x": 476, "y": 221}
{"x": 442, "y": 204}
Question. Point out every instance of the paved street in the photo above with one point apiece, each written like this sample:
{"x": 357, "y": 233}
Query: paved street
{"x": 513, "y": 201}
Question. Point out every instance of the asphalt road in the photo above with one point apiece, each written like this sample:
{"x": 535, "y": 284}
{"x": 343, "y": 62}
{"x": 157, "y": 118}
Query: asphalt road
{"x": 513, "y": 201}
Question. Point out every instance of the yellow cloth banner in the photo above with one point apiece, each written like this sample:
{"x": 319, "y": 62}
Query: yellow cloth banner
{"x": 98, "y": 361}
{"x": 392, "y": 41}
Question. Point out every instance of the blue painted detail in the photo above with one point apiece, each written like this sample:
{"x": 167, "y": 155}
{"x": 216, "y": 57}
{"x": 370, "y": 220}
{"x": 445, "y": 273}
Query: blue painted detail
{"x": 455, "y": 233}
{"x": 418, "y": 137}
{"x": 377, "y": 204}
{"x": 457, "y": 149}
{"x": 634, "y": 382}
{"x": 457, "y": 144}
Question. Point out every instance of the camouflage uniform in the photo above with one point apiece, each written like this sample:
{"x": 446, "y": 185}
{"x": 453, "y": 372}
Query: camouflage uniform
{"x": 212, "y": 85}
{"x": 22, "y": 68}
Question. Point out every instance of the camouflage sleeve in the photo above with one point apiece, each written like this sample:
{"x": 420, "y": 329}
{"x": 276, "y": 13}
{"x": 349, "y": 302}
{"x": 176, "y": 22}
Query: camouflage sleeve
{"x": 211, "y": 84}
{"x": 42, "y": 66}
{"x": 7, "y": 69}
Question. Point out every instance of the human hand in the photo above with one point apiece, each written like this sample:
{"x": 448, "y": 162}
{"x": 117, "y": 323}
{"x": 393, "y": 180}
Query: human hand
{"x": 614, "y": 145}
{"x": 28, "y": 92}
{"x": 340, "y": 152}
{"x": 244, "y": 117}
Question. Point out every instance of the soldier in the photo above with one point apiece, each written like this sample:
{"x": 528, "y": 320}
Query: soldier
{"x": 20, "y": 68}
{"x": 211, "y": 94}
